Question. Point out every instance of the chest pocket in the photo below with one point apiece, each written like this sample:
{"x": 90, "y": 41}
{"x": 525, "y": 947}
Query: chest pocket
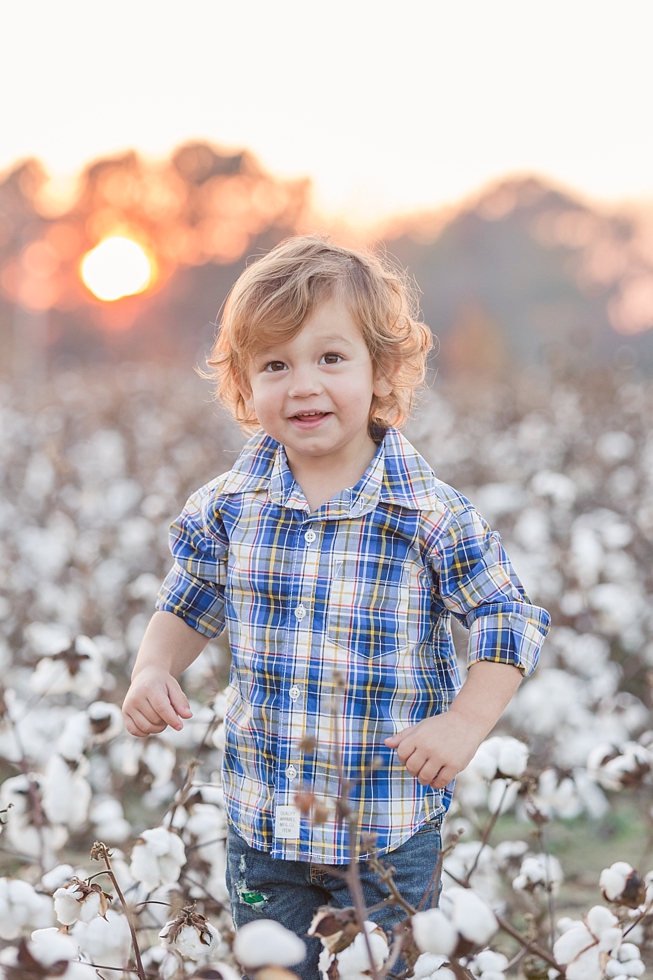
{"x": 368, "y": 608}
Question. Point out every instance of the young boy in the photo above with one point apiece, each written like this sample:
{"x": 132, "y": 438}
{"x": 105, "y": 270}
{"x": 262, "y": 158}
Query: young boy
{"x": 335, "y": 559}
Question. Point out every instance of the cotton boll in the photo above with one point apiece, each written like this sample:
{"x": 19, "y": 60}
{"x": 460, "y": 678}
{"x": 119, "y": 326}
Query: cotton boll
{"x": 513, "y": 758}
{"x": 58, "y": 877}
{"x": 557, "y": 795}
{"x": 72, "y": 741}
{"x": 78, "y": 670}
{"x": 161, "y": 759}
{"x": 66, "y": 906}
{"x": 616, "y": 767}
{"x": 539, "y": 874}
{"x": 354, "y": 961}
{"x": 22, "y": 907}
{"x": 620, "y": 883}
{"x": 80, "y": 902}
{"x": 66, "y": 793}
{"x": 627, "y": 952}
{"x": 486, "y": 758}
{"x": 434, "y": 932}
{"x": 105, "y": 721}
{"x": 487, "y": 961}
{"x": 582, "y": 947}
{"x": 157, "y": 858}
{"x": 500, "y": 756}
{"x": 427, "y": 964}
{"x": 267, "y": 943}
{"x": 470, "y": 914}
{"x": 566, "y": 923}
{"x": 106, "y": 941}
{"x": 171, "y": 966}
{"x": 502, "y": 795}
{"x": 632, "y": 968}
{"x": 190, "y": 934}
{"x": 510, "y": 853}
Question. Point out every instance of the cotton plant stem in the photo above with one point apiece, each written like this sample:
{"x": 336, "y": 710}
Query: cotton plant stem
{"x": 352, "y": 876}
{"x": 395, "y": 952}
{"x": 647, "y": 909}
{"x": 100, "y": 850}
{"x": 549, "y": 886}
{"x": 385, "y": 874}
{"x": 527, "y": 943}
{"x": 486, "y": 835}
{"x": 356, "y": 889}
{"x": 515, "y": 933}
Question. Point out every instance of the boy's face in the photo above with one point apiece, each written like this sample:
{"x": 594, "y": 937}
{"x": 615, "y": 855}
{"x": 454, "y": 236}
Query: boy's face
{"x": 313, "y": 393}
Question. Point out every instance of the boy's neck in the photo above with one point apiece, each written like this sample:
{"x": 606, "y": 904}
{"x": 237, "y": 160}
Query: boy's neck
{"x": 321, "y": 477}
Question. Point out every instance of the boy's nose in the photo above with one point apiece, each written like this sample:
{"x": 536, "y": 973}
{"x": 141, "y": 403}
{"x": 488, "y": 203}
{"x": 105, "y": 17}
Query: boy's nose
{"x": 303, "y": 383}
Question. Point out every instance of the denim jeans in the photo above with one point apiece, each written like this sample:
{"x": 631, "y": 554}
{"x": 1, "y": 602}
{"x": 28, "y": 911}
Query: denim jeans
{"x": 291, "y": 891}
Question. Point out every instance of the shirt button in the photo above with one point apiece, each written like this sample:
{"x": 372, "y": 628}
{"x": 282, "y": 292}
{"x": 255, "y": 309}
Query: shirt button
{"x": 310, "y": 537}
{"x": 300, "y": 612}
{"x": 294, "y": 692}
{"x": 291, "y": 772}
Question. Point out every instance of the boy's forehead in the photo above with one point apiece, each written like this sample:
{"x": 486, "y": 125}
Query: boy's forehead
{"x": 338, "y": 338}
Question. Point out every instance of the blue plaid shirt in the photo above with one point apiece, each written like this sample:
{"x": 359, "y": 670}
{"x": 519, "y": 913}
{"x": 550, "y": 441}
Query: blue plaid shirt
{"x": 339, "y": 623}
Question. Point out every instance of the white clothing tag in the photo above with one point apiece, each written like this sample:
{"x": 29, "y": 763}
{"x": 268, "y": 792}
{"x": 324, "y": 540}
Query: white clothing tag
{"x": 286, "y": 822}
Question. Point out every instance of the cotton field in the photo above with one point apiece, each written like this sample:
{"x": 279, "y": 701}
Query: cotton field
{"x": 112, "y": 847}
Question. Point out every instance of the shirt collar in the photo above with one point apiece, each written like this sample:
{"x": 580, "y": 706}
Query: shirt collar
{"x": 396, "y": 475}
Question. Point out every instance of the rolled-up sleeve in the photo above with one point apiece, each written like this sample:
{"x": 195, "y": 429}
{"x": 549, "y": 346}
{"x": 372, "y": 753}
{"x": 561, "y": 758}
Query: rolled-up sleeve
{"x": 194, "y": 587}
{"x": 478, "y": 585}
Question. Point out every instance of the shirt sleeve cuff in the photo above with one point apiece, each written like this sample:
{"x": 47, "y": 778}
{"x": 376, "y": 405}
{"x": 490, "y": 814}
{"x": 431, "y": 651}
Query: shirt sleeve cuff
{"x": 507, "y": 636}
{"x": 198, "y": 603}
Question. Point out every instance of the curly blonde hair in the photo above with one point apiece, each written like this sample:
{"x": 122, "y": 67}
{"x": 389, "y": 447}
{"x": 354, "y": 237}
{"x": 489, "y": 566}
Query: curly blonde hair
{"x": 274, "y": 296}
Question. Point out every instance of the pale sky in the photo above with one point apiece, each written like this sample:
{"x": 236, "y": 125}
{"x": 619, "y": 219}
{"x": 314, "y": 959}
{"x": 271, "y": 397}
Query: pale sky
{"x": 387, "y": 106}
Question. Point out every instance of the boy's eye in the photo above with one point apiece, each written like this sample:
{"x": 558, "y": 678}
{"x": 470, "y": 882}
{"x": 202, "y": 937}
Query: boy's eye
{"x": 331, "y": 358}
{"x": 274, "y": 366}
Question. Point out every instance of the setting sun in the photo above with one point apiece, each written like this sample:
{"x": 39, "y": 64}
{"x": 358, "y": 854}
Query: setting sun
{"x": 115, "y": 268}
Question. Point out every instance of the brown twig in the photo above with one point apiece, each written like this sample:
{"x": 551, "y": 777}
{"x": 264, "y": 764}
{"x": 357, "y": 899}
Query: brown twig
{"x": 515, "y": 933}
{"x": 385, "y": 874}
{"x": 488, "y": 830}
{"x": 101, "y": 851}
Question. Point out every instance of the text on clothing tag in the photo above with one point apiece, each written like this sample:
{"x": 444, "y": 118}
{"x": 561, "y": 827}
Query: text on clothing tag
{"x": 286, "y": 822}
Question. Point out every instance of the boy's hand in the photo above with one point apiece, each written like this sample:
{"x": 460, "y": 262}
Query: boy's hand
{"x": 436, "y": 749}
{"x": 154, "y": 701}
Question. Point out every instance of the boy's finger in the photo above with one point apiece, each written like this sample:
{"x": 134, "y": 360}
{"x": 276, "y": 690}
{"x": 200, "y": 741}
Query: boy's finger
{"x": 444, "y": 777}
{"x": 166, "y": 713}
{"x": 394, "y": 740}
{"x": 179, "y": 701}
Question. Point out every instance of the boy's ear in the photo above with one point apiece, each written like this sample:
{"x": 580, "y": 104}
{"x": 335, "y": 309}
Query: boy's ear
{"x": 243, "y": 386}
{"x": 383, "y": 381}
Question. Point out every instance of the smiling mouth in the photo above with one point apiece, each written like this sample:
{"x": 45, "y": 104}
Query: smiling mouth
{"x": 308, "y": 417}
